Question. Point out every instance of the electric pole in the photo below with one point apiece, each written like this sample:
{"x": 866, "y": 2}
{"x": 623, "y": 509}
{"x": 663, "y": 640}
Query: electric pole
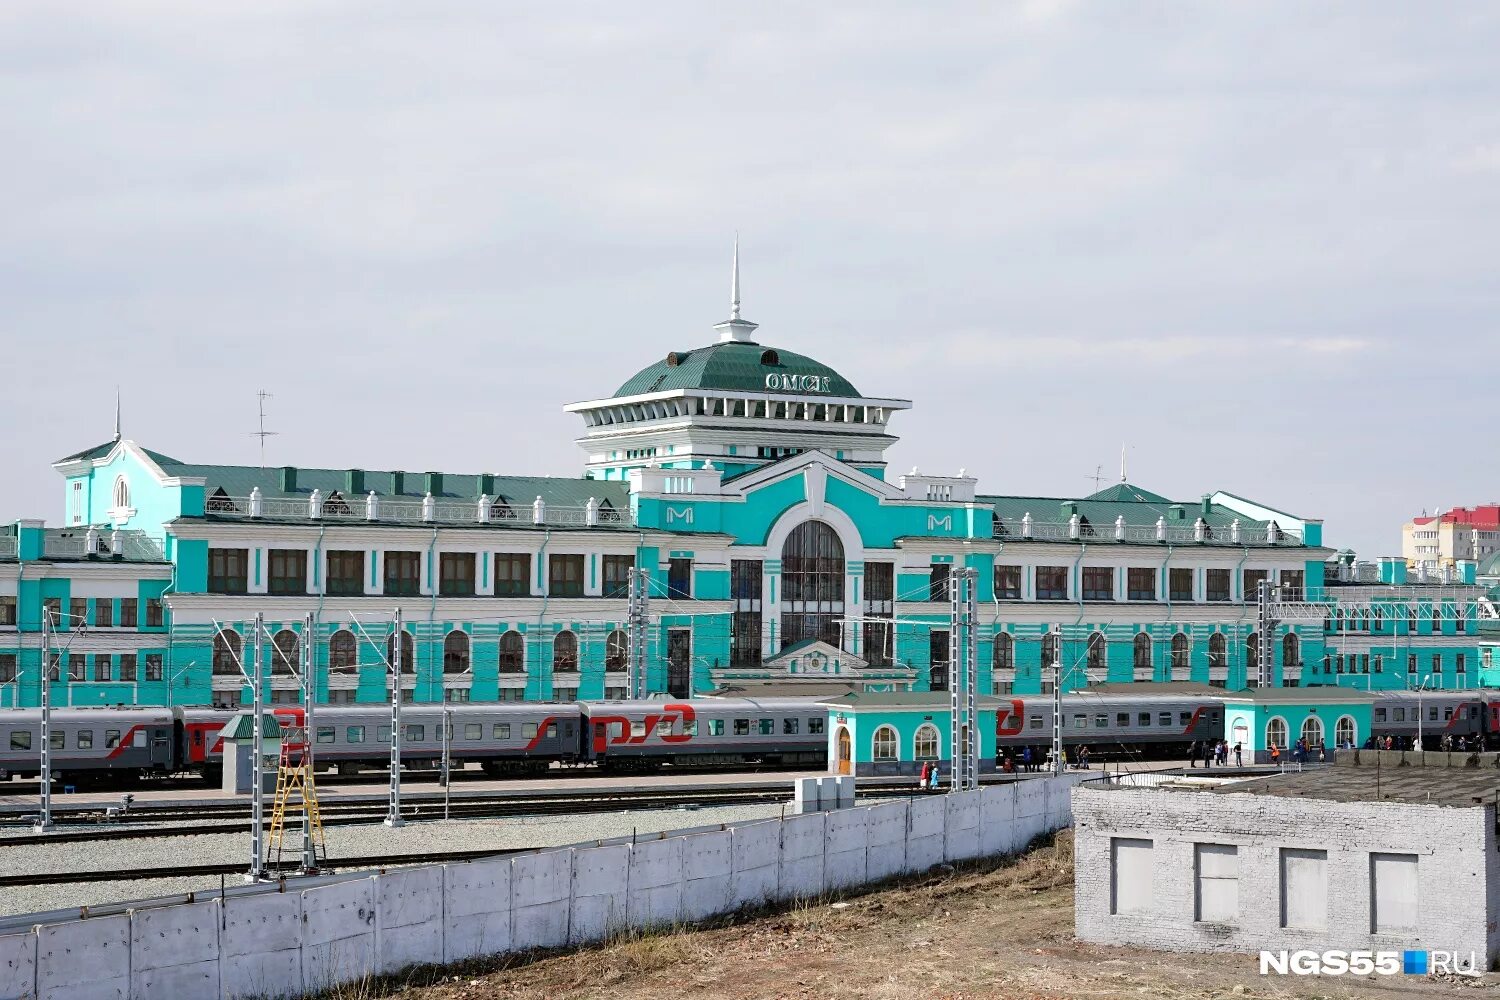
{"x": 309, "y": 700}
{"x": 258, "y": 753}
{"x": 1265, "y": 622}
{"x": 398, "y": 639}
{"x": 962, "y": 650}
{"x": 1059, "y": 765}
{"x": 637, "y": 610}
{"x": 44, "y": 820}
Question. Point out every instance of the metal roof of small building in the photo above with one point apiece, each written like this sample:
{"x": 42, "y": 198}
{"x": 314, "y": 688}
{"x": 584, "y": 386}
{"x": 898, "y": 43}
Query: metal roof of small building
{"x": 1437, "y": 785}
{"x": 242, "y": 727}
{"x": 736, "y": 366}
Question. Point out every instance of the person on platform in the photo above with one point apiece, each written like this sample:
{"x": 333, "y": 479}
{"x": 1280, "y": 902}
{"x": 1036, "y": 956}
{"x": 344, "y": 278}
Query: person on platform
{"x": 1208, "y": 754}
{"x": 1239, "y": 759}
{"x": 922, "y": 777}
{"x": 1275, "y": 755}
{"x": 1026, "y": 758}
{"x": 1083, "y": 758}
{"x": 1193, "y": 752}
{"x": 932, "y": 779}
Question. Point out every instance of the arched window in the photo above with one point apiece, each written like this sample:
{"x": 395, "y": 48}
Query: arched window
{"x": 1276, "y": 733}
{"x": 226, "y": 656}
{"x": 512, "y": 653}
{"x": 1142, "y": 651}
{"x": 887, "y": 747}
{"x": 1096, "y": 649}
{"x": 1346, "y": 734}
{"x": 121, "y": 493}
{"x": 408, "y": 651}
{"x": 1291, "y": 651}
{"x": 812, "y": 584}
{"x": 1252, "y": 656}
{"x": 1181, "y": 656}
{"x": 284, "y": 652}
{"x": 925, "y": 744}
{"x": 1049, "y": 649}
{"x": 343, "y": 652}
{"x": 1312, "y": 731}
{"x": 1218, "y": 653}
{"x": 456, "y": 652}
{"x": 616, "y": 650}
{"x": 565, "y": 652}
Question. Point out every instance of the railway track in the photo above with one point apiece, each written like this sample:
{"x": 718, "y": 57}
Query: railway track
{"x": 238, "y": 868}
{"x": 234, "y": 817}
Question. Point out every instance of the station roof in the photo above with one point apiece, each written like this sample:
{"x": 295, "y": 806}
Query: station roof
{"x": 819, "y": 691}
{"x": 1447, "y": 786}
{"x": 736, "y": 366}
{"x": 1179, "y": 689}
{"x": 1317, "y": 695}
{"x": 1139, "y": 508}
{"x": 906, "y": 700}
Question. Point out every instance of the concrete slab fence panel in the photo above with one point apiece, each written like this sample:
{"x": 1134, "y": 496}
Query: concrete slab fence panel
{"x": 408, "y": 918}
{"x": 338, "y": 933}
{"x": 654, "y": 896}
{"x": 174, "y": 950}
{"x": 600, "y": 875}
{"x": 961, "y": 826}
{"x": 541, "y": 890}
{"x": 997, "y": 820}
{"x": 845, "y": 839}
{"x": 476, "y": 909}
{"x": 84, "y": 959}
{"x": 260, "y": 945}
{"x": 755, "y": 856}
{"x": 707, "y": 869}
{"x": 802, "y": 849}
{"x": 924, "y": 833}
{"x": 885, "y": 837}
{"x": 18, "y": 966}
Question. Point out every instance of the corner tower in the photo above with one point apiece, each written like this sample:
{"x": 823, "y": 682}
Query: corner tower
{"x": 736, "y": 403}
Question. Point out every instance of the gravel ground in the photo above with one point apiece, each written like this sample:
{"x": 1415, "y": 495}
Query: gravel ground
{"x": 345, "y": 841}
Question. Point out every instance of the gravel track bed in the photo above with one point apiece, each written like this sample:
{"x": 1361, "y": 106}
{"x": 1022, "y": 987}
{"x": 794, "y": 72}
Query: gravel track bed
{"x": 347, "y": 841}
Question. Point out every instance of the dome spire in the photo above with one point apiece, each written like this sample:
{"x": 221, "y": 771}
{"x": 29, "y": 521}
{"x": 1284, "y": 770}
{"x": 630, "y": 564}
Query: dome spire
{"x": 735, "y": 329}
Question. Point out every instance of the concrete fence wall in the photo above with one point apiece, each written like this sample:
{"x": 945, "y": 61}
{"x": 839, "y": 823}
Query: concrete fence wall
{"x": 288, "y": 943}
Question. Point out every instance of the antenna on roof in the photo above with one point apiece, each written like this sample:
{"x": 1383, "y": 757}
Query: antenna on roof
{"x": 117, "y": 413}
{"x": 263, "y": 395}
{"x": 1098, "y": 476}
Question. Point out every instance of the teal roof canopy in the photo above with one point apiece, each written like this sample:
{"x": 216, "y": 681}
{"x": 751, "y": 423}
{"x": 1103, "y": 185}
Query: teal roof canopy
{"x": 736, "y": 366}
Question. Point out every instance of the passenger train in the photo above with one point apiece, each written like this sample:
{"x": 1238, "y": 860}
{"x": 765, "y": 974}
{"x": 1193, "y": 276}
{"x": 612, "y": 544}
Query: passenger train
{"x": 521, "y": 738}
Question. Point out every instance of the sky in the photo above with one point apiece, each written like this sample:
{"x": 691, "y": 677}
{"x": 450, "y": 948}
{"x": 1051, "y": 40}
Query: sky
{"x": 1253, "y": 244}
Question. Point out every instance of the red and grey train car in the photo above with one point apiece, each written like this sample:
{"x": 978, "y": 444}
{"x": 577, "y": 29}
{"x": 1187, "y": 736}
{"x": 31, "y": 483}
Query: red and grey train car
{"x": 1464, "y": 715}
{"x": 643, "y": 735}
{"x": 1144, "y": 724}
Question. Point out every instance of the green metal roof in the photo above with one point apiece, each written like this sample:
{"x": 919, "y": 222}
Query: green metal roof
{"x": 242, "y": 727}
{"x": 1101, "y": 509}
{"x": 100, "y": 450}
{"x": 733, "y": 365}
{"x": 1127, "y": 492}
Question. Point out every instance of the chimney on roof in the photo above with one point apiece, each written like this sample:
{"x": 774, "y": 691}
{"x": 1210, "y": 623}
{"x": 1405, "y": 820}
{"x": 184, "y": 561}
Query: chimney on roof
{"x": 435, "y": 483}
{"x": 289, "y": 479}
{"x": 398, "y": 483}
{"x": 487, "y": 484}
{"x": 1208, "y": 504}
{"x": 354, "y": 482}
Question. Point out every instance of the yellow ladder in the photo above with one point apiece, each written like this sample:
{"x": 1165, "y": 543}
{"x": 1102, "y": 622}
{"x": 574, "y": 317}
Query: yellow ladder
{"x": 296, "y": 796}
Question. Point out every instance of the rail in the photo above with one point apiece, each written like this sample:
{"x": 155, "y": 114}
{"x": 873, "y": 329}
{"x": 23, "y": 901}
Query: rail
{"x": 364, "y": 510}
{"x": 9, "y": 546}
{"x": 1082, "y": 531}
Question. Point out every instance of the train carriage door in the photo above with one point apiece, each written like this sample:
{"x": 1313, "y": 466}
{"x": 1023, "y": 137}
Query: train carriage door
{"x": 845, "y": 751}
{"x": 679, "y": 662}
{"x": 161, "y": 747}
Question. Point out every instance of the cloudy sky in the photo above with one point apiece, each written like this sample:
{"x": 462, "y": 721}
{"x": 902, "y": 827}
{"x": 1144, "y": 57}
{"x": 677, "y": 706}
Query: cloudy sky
{"x": 1256, "y": 243}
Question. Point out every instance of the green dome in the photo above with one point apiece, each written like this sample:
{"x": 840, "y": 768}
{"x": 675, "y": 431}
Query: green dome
{"x": 739, "y": 367}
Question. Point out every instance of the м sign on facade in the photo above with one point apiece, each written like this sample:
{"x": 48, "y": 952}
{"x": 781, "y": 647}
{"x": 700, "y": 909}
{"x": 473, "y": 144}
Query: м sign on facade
{"x": 800, "y": 383}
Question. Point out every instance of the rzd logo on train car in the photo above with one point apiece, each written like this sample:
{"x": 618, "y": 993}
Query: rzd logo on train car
{"x": 671, "y": 713}
{"x": 1010, "y": 721}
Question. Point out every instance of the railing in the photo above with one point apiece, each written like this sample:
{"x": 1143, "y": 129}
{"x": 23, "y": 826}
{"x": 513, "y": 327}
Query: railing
{"x": 71, "y": 547}
{"x": 360, "y": 510}
{"x": 1053, "y": 531}
{"x": 9, "y": 547}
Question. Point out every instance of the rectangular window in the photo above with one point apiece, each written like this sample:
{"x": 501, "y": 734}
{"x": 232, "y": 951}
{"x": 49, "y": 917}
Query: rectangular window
{"x": 512, "y": 574}
{"x": 415, "y": 734}
{"x": 789, "y": 726}
{"x": 20, "y": 739}
{"x": 287, "y": 571}
{"x": 228, "y": 571}
{"x": 111, "y": 738}
{"x": 456, "y": 574}
{"x": 1180, "y": 584}
{"x": 1304, "y": 889}
{"x": 500, "y": 731}
{"x": 937, "y": 581}
{"x": 127, "y": 666}
{"x": 7, "y": 668}
{"x": 1250, "y": 580}
{"x": 1217, "y": 873}
{"x": 565, "y": 576}
{"x": 325, "y": 734}
{"x": 617, "y": 575}
{"x": 528, "y": 730}
{"x": 104, "y": 613}
{"x": 129, "y": 617}
{"x": 1098, "y": 583}
{"x": 1143, "y": 718}
{"x": 403, "y": 574}
{"x": 383, "y": 733}
{"x": 1393, "y": 893}
{"x": 815, "y": 725}
{"x": 1007, "y": 583}
{"x": 1051, "y": 583}
{"x": 1437, "y": 663}
{"x": 102, "y": 667}
{"x": 7, "y": 610}
{"x": 85, "y": 739}
{"x": 52, "y": 611}
{"x": 1460, "y": 663}
{"x": 1216, "y": 584}
{"x": 354, "y": 734}
{"x": 78, "y": 611}
{"x": 1292, "y": 583}
{"x": 1080, "y": 722}
{"x": 154, "y": 618}
{"x": 1140, "y": 583}
{"x": 880, "y": 582}
{"x": 767, "y": 727}
{"x": 680, "y": 578}
{"x": 716, "y": 727}
{"x": 59, "y": 739}
{"x": 1101, "y": 721}
{"x": 345, "y": 576}
{"x": 473, "y": 730}
{"x": 1122, "y": 720}
{"x": 742, "y": 727}
{"x": 1163, "y": 718}
{"x": 1131, "y": 881}
{"x": 77, "y": 671}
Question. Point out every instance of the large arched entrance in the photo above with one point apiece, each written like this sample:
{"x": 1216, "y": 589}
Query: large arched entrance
{"x": 812, "y": 585}
{"x": 845, "y": 751}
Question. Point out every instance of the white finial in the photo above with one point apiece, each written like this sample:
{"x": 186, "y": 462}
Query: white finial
{"x": 1122, "y": 462}
{"x": 117, "y": 413}
{"x": 734, "y": 281}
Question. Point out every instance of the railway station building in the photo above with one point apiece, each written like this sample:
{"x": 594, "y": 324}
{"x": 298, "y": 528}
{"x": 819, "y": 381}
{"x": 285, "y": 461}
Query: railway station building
{"x": 751, "y": 483}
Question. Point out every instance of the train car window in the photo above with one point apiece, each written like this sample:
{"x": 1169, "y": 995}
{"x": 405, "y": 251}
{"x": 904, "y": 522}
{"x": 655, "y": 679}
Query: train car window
{"x": 1431, "y": 714}
{"x": 1143, "y": 718}
{"x": 475, "y": 730}
{"x": 1080, "y": 721}
{"x": 1380, "y": 715}
{"x": 1185, "y": 718}
{"x": 1447, "y": 714}
{"x": 767, "y": 727}
{"x": 552, "y": 731}
{"x": 86, "y": 739}
{"x": 197, "y": 737}
{"x": 789, "y": 727}
{"x": 815, "y": 725}
{"x": 1036, "y": 722}
{"x": 382, "y": 734}
{"x": 416, "y": 734}
{"x": 20, "y": 740}
{"x": 716, "y": 727}
{"x": 637, "y": 729}
{"x": 59, "y": 740}
{"x": 1122, "y": 719}
{"x": 1214, "y": 715}
{"x": 500, "y": 731}
{"x": 742, "y": 727}
{"x": 111, "y": 738}
{"x": 354, "y": 734}
{"x": 139, "y": 739}
{"x": 690, "y": 728}
{"x": 325, "y": 734}
{"x": 1400, "y": 715}
{"x": 1164, "y": 718}
{"x": 528, "y": 730}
